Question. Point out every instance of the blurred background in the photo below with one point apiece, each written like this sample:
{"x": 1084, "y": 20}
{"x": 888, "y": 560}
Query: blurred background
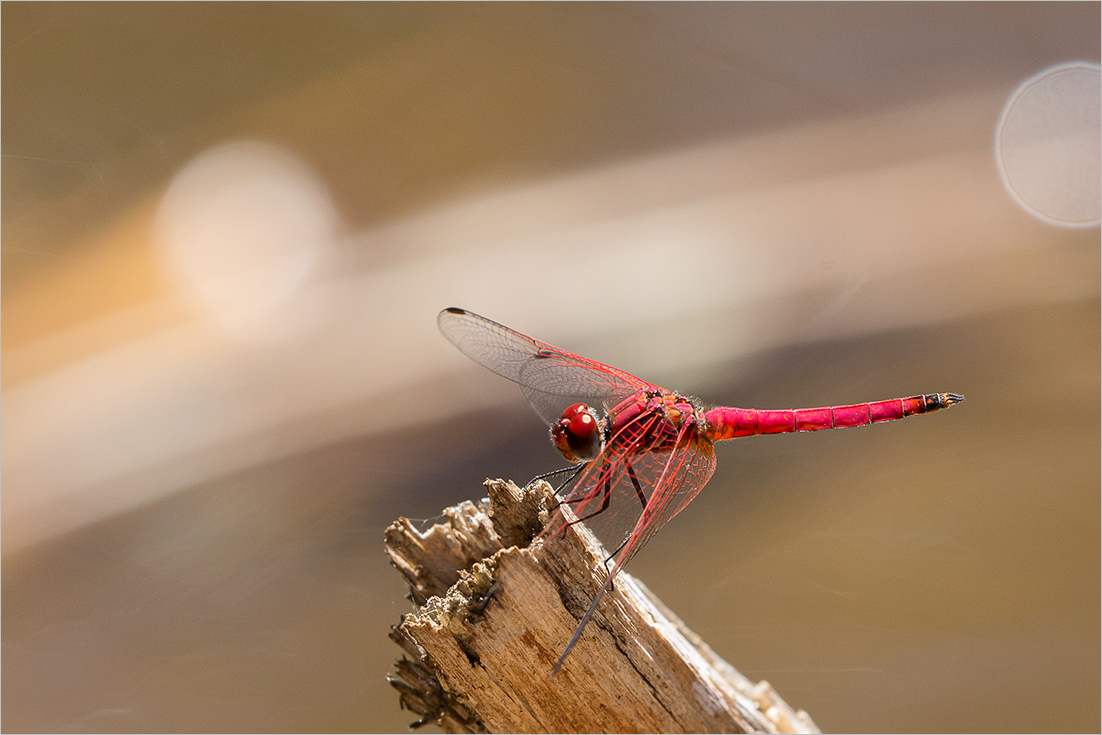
{"x": 228, "y": 229}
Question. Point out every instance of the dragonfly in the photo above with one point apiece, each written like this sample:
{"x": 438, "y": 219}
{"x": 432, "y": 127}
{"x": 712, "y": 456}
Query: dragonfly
{"x": 633, "y": 443}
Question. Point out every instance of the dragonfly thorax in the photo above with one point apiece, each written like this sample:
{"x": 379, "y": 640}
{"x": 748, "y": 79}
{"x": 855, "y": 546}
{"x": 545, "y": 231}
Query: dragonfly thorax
{"x": 580, "y": 434}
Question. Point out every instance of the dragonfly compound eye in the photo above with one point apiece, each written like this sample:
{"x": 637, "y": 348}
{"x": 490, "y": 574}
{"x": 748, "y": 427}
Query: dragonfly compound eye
{"x": 578, "y": 433}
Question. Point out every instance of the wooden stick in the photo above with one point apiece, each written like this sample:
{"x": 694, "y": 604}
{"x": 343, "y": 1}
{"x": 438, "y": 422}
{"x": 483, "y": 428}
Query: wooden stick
{"x": 483, "y": 665}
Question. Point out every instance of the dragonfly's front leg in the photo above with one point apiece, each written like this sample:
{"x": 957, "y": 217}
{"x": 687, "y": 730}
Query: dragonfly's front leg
{"x": 573, "y": 469}
{"x": 606, "y": 498}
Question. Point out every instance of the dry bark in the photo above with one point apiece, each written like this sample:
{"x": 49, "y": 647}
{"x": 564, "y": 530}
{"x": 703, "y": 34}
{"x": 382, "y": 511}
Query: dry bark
{"x": 482, "y": 664}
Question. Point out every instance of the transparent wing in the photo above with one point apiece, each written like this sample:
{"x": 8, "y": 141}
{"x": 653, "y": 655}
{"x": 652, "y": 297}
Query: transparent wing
{"x": 551, "y": 378}
{"x": 632, "y": 490}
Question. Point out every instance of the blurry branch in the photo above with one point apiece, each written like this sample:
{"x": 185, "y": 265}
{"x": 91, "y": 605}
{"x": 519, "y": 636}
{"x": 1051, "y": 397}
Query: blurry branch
{"x": 469, "y": 669}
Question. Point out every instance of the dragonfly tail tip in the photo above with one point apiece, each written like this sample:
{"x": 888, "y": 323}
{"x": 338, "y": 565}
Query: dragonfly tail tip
{"x": 951, "y": 398}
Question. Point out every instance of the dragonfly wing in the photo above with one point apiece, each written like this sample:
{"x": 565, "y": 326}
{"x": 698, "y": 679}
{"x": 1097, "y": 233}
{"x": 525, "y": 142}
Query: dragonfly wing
{"x": 551, "y": 378}
{"x": 667, "y": 481}
{"x": 676, "y": 481}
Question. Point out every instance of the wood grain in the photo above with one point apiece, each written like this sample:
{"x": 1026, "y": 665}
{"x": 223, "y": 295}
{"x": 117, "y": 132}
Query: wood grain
{"x": 474, "y": 664}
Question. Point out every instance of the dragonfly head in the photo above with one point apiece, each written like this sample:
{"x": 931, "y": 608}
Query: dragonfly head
{"x": 579, "y": 434}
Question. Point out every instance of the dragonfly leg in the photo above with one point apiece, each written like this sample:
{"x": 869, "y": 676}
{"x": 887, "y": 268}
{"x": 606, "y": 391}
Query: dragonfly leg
{"x": 638, "y": 487}
{"x": 606, "y": 498}
{"x": 486, "y": 597}
{"x": 642, "y": 501}
{"x": 606, "y": 493}
{"x": 573, "y": 469}
{"x": 619, "y": 548}
{"x": 610, "y": 557}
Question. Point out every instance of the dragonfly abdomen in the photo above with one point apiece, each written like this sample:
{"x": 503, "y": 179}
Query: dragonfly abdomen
{"x": 730, "y": 423}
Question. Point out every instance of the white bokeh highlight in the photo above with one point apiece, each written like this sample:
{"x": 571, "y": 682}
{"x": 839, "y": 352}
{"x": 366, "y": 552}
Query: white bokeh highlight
{"x": 1047, "y": 145}
{"x": 242, "y": 229}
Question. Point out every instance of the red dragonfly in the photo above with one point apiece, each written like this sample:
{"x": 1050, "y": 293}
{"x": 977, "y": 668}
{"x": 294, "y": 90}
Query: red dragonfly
{"x": 632, "y": 440}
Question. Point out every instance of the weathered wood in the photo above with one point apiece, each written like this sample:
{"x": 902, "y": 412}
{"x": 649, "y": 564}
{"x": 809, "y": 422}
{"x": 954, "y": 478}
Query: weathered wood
{"x": 483, "y": 665}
